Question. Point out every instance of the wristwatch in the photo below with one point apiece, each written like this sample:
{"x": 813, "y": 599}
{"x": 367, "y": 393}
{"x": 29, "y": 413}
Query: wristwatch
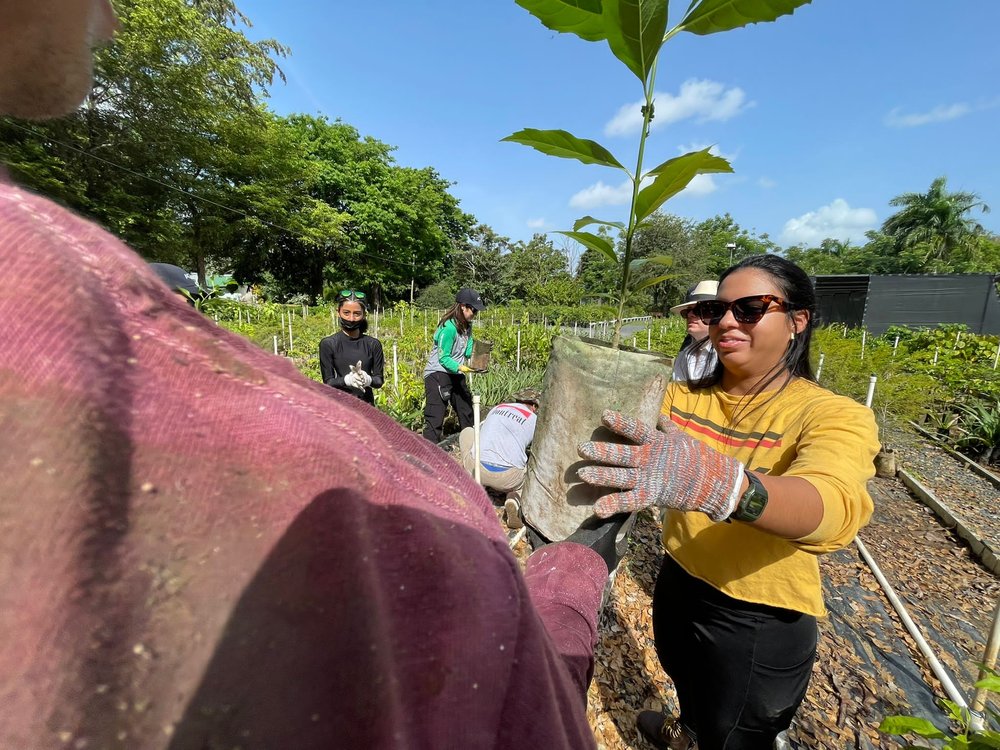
{"x": 753, "y": 501}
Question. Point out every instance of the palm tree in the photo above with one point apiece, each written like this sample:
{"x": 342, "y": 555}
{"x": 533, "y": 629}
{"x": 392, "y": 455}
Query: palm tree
{"x": 936, "y": 220}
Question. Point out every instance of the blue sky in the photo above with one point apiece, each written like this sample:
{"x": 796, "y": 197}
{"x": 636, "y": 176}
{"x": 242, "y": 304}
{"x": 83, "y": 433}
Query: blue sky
{"x": 825, "y": 115}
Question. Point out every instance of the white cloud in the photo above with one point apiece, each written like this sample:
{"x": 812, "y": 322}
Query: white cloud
{"x": 767, "y": 183}
{"x": 713, "y": 149}
{"x": 600, "y": 194}
{"x": 837, "y": 221}
{"x": 536, "y": 223}
{"x": 702, "y": 100}
{"x": 702, "y": 184}
{"x": 941, "y": 113}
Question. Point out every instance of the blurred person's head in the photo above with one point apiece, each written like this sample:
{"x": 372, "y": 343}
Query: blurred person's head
{"x": 46, "y": 54}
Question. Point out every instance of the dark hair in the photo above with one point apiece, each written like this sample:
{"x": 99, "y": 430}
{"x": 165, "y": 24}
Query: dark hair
{"x": 364, "y": 309}
{"x": 455, "y": 313}
{"x": 797, "y": 290}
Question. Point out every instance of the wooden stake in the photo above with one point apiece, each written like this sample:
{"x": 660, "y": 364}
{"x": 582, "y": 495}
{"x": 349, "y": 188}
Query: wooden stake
{"x": 478, "y": 471}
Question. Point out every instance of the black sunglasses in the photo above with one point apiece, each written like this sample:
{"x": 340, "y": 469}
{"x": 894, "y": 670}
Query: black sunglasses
{"x": 745, "y": 309}
{"x": 348, "y": 293}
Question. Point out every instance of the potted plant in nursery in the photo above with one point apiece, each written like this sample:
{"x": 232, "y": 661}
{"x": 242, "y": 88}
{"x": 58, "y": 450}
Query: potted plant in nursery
{"x": 585, "y": 377}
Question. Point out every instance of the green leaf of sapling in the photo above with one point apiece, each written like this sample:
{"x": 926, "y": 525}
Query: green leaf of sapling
{"x": 658, "y": 260}
{"x": 635, "y": 32}
{"x": 594, "y": 242}
{"x": 712, "y": 16}
{"x": 673, "y": 176}
{"x": 990, "y": 683}
{"x": 910, "y": 725}
{"x": 566, "y": 146}
{"x": 581, "y": 17}
{"x": 586, "y": 221}
{"x": 651, "y": 282}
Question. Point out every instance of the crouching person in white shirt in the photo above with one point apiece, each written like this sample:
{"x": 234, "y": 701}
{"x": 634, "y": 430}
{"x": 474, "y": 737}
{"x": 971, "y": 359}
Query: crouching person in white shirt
{"x": 504, "y": 438}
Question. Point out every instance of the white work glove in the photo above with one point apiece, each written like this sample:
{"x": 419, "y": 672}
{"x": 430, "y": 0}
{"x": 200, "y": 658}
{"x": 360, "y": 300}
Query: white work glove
{"x": 358, "y": 377}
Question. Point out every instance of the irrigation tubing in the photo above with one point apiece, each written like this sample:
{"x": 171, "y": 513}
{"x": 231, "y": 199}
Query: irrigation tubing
{"x": 937, "y": 668}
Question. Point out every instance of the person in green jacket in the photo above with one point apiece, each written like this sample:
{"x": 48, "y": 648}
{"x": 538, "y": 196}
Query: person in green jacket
{"x": 444, "y": 375}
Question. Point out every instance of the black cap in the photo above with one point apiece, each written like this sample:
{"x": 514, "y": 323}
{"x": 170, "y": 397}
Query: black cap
{"x": 176, "y": 278}
{"x": 471, "y": 298}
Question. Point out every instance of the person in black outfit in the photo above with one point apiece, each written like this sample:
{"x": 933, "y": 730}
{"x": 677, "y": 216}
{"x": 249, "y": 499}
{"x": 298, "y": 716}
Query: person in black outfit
{"x": 351, "y": 360}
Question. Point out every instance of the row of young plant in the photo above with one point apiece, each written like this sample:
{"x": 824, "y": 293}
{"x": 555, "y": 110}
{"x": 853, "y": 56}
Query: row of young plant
{"x": 944, "y": 377}
{"x": 521, "y": 341}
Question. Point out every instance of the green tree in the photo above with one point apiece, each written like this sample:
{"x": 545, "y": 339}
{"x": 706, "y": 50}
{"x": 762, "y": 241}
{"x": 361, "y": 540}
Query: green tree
{"x": 724, "y": 242}
{"x": 932, "y": 229}
{"x": 146, "y": 153}
{"x": 666, "y": 234}
{"x": 831, "y": 257}
{"x": 560, "y": 289}
{"x": 597, "y": 273}
{"x": 480, "y": 262}
{"x": 533, "y": 264}
{"x": 397, "y": 225}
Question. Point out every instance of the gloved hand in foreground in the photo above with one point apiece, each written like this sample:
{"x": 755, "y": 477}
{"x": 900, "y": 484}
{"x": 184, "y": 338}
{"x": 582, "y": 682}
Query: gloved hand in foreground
{"x": 465, "y": 368}
{"x": 364, "y": 379}
{"x": 666, "y": 468}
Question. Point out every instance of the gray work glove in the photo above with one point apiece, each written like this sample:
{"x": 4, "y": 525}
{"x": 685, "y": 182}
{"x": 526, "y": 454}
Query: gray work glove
{"x": 665, "y": 467}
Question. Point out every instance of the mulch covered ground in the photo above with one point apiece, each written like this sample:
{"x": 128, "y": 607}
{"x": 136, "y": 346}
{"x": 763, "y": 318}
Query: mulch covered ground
{"x": 868, "y": 666}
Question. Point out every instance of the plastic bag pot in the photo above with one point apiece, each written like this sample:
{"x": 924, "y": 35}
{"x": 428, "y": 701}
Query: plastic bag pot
{"x": 582, "y": 379}
{"x": 481, "y": 350}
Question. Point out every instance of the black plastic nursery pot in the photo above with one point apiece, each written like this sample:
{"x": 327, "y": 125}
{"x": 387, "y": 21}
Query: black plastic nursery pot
{"x": 582, "y": 379}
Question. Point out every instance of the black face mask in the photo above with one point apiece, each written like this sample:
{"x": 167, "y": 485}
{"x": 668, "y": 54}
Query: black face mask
{"x": 351, "y": 325}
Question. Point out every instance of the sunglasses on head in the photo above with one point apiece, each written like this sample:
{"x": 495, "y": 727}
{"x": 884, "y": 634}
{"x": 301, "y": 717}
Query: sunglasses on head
{"x": 745, "y": 309}
{"x": 348, "y": 293}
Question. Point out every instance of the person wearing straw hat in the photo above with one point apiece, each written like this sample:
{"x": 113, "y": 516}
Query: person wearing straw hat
{"x": 696, "y": 357}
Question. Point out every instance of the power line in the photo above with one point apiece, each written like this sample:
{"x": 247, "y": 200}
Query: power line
{"x": 188, "y": 193}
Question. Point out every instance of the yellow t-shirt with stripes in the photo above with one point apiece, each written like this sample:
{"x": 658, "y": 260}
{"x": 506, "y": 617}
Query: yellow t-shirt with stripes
{"x": 805, "y": 431}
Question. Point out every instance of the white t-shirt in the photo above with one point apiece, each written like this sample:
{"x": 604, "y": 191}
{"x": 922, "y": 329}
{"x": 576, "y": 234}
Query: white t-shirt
{"x": 505, "y": 435}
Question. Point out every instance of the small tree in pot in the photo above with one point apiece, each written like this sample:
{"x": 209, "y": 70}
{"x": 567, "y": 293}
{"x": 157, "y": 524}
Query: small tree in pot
{"x": 579, "y": 383}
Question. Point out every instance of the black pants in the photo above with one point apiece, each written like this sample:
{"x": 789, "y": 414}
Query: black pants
{"x": 442, "y": 388}
{"x": 740, "y": 669}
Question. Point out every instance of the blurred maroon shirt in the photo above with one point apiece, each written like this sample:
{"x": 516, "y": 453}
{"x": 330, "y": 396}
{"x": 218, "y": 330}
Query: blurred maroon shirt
{"x": 201, "y": 548}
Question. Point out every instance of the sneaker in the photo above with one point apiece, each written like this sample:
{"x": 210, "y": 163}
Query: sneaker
{"x": 663, "y": 732}
{"x": 513, "y": 510}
